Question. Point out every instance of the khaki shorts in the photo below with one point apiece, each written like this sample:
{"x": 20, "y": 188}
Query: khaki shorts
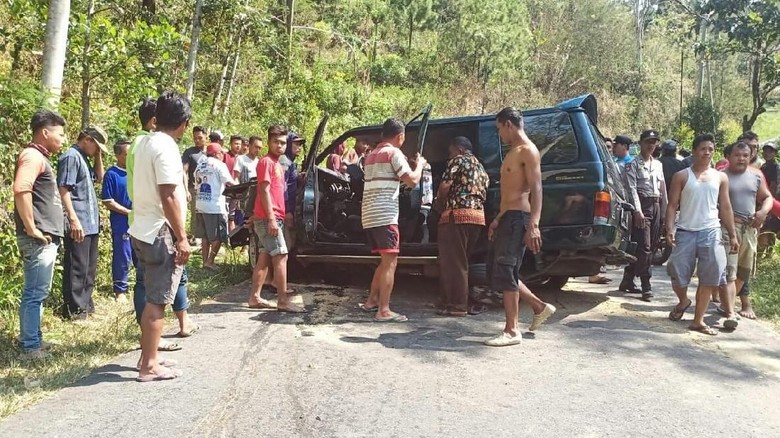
{"x": 194, "y": 218}
{"x": 742, "y": 264}
{"x": 161, "y": 273}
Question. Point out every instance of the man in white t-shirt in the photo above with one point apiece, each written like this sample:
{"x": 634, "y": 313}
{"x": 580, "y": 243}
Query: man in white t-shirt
{"x": 245, "y": 167}
{"x": 211, "y": 177}
{"x": 157, "y": 231}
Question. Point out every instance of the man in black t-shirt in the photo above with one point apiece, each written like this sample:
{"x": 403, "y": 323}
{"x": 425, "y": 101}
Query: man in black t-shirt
{"x": 669, "y": 161}
{"x": 190, "y": 160}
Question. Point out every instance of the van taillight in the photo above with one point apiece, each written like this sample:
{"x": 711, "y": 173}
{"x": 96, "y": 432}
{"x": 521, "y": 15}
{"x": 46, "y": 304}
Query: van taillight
{"x": 601, "y": 208}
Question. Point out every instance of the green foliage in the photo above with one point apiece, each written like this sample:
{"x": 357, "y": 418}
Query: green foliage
{"x": 765, "y": 294}
{"x": 701, "y": 116}
{"x": 684, "y": 136}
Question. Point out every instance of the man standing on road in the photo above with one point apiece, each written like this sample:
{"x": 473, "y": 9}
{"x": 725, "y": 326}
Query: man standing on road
{"x": 39, "y": 225}
{"x": 669, "y": 161}
{"x": 189, "y": 160}
{"x": 464, "y": 191}
{"x": 386, "y": 166}
{"x": 158, "y": 235}
{"x": 516, "y": 227}
{"x": 146, "y": 114}
{"x": 211, "y": 177}
{"x": 746, "y": 190}
{"x": 645, "y": 179}
{"x": 701, "y": 194}
{"x": 117, "y": 201}
{"x": 76, "y": 179}
{"x": 269, "y": 216}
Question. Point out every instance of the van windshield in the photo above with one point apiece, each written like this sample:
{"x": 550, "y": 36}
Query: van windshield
{"x": 553, "y": 135}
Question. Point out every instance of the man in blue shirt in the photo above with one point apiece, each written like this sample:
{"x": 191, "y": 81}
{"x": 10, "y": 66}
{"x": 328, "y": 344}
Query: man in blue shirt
{"x": 117, "y": 201}
{"x": 75, "y": 179}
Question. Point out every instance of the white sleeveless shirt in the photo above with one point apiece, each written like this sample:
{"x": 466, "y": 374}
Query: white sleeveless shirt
{"x": 699, "y": 202}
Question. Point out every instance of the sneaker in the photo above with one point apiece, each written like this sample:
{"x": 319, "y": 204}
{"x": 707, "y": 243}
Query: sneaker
{"x": 539, "y": 319}
{"x": 504, "y": 340}
{"x": 34, "y": 355}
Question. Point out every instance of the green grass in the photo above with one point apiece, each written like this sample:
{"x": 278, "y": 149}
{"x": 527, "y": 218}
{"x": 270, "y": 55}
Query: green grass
{"x": 768, "y": 125}
{"x": 83, "y": 347}
{"x": 764, "y": 290}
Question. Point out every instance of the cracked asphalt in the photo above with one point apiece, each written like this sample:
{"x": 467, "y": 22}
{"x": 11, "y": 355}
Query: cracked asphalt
{"x": 607, "y": 364}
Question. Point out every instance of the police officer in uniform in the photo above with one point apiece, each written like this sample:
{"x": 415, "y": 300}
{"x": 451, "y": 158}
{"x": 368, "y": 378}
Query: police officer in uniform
{"x": 645, "y": 178}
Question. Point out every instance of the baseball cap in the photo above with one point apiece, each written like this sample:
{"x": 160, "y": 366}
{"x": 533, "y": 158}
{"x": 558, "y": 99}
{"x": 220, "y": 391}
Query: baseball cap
{"x": 622, "y": 139}
{"x": 770, "y": 145}
{"x": 650, "y": 134}
{"x": 213, "y": 149}
{"x": 669, "y": 145}
{"x": 98, "y": 135}
{"x": 293, "y": 137}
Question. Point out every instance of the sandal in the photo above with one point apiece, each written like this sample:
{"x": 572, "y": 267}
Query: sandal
{"x": 368, "y": 309}
{"x": 165, "y": 374}
{"x": 676, "y": 315}
{"x": 167, "y": 363}
{"x": 395, "y": 317}
{"x": 599, "y": 279}
{"x": 705, "y": 329}
{"x": 477, "y": 309}
{"x": 168, "y": 346}
{"x": 262, "y": 304}
{"x": 192, "y": 331}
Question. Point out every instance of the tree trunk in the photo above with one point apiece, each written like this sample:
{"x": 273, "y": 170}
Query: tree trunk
{"x": 194, "y": 45}
{"x": 758, "y": 100}
{"x": 86, "y": 68}
{"x": 54, "y": 50}
{"x": 700, "y": 60}
{"x": 290, "y": 21}
{"x": 222, "y": 79}
{"x": 232, "y": 77}
{"x": 411, "y": 31}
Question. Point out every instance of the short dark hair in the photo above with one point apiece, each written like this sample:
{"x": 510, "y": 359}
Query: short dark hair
{"x": 147, "y": 110}
{"x": 734, "y": 146}
{"x": 119, "y": 145}
{"x": 173, "y": 109}
{"x": 391, "y": 128}
{"x": 462, "y": 142}
{"x": 45, "y": 119}
{"x": 276, "y": 130}
{"x": 748, "y": 135}
{"x": 236, "y": 137}
{"x": 255, "y": 138}
{"x": 701, "y": 138}
{"x": 199, "y": 129}
{"x": 622, "y": 139}
{"x": 511, "y": 115}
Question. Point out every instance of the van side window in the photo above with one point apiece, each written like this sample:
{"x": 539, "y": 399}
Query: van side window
{"x": 553, "y": 135}
{"x": 489, "y": 150}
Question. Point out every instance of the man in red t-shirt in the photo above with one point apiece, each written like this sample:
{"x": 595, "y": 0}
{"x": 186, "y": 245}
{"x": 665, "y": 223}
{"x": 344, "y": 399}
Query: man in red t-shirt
{"x": 269, "y": 214}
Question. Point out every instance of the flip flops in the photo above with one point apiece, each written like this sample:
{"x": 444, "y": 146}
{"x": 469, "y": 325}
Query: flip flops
{"x": 395, "y": 317}
{"x": 167, "y": 363}
{"x": 165, "y": 374}
{"x": 676, "y": 315}
{"x": 262, "y": 304}
{"x": 368, "y": 309}
{"x": 504, "y": 340}
{"x": 192, "y": 331}
{"x": 168, "y": 346}
{"x": 704, "y": 329}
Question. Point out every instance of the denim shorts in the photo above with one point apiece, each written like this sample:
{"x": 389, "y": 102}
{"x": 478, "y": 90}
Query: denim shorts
{"x": 272, "y": 245}
{"x": 505, "y": 256}
{"x": 706, "y": 248}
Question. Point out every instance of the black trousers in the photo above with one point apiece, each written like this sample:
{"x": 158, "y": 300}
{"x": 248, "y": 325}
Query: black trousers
{"x": 78, "y": 276}
{"x": 646, "y": 238}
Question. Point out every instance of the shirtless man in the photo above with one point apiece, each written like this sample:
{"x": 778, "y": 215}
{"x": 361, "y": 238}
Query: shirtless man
{"x": 516, "y": 226}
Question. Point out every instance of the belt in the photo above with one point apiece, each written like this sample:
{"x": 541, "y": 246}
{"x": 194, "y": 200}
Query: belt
{"x": 649, "y": 198}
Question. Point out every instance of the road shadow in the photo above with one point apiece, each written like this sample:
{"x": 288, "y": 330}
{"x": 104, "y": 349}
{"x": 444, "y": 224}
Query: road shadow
{"x": 106, "y": 374}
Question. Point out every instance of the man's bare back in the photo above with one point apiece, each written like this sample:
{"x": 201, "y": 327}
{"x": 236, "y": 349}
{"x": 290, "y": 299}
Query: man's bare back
{"x": 514, "y": 178}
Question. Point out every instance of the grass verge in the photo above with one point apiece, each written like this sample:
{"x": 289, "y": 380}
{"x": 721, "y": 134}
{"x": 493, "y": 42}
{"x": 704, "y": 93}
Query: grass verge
{"x": 768, "y": 125}
{"x": 82, "y": 347}
{"x": 764, "y": 290}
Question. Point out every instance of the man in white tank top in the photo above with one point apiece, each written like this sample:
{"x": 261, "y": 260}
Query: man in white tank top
{"x": 702, "y": 195}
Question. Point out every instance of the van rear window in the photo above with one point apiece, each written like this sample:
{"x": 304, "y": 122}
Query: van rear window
{"x": 554, "y": 136}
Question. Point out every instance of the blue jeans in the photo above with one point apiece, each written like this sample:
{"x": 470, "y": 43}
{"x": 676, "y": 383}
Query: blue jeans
{"x": 38, "y": 261}
{"x": 180, "y": 303}
{"x": 121, "y": 260}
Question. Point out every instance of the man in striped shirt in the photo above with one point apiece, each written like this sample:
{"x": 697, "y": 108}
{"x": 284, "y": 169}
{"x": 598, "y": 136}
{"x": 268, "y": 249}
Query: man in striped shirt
{"x": 385, "y": 167}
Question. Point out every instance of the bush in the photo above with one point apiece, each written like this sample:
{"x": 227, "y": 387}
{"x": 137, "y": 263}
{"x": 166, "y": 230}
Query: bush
{"x": 701, "y": 116}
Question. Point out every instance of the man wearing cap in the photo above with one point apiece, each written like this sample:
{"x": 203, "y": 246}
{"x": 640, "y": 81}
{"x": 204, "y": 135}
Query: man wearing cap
{"x": 646, "y": 184}
{"x": 76, "y": 178}
{"x": 669, "y": 161}
{"x": 771, "y": 169}
{"x": 211, "y": 177}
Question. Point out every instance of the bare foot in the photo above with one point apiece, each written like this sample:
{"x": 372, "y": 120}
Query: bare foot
{"x": 747, "y": 313}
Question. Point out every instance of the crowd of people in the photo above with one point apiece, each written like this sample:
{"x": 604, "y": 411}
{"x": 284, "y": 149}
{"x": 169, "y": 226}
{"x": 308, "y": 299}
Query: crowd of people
{"x": 150, "y": 188}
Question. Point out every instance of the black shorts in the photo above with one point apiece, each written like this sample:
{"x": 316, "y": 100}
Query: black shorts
{"x": 506, "y": 252}
{"x": 384, "y": 240}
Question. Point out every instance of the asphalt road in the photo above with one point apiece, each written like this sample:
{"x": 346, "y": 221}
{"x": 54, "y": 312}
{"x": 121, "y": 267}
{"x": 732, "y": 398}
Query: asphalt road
{"x": 605, "y": 365}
